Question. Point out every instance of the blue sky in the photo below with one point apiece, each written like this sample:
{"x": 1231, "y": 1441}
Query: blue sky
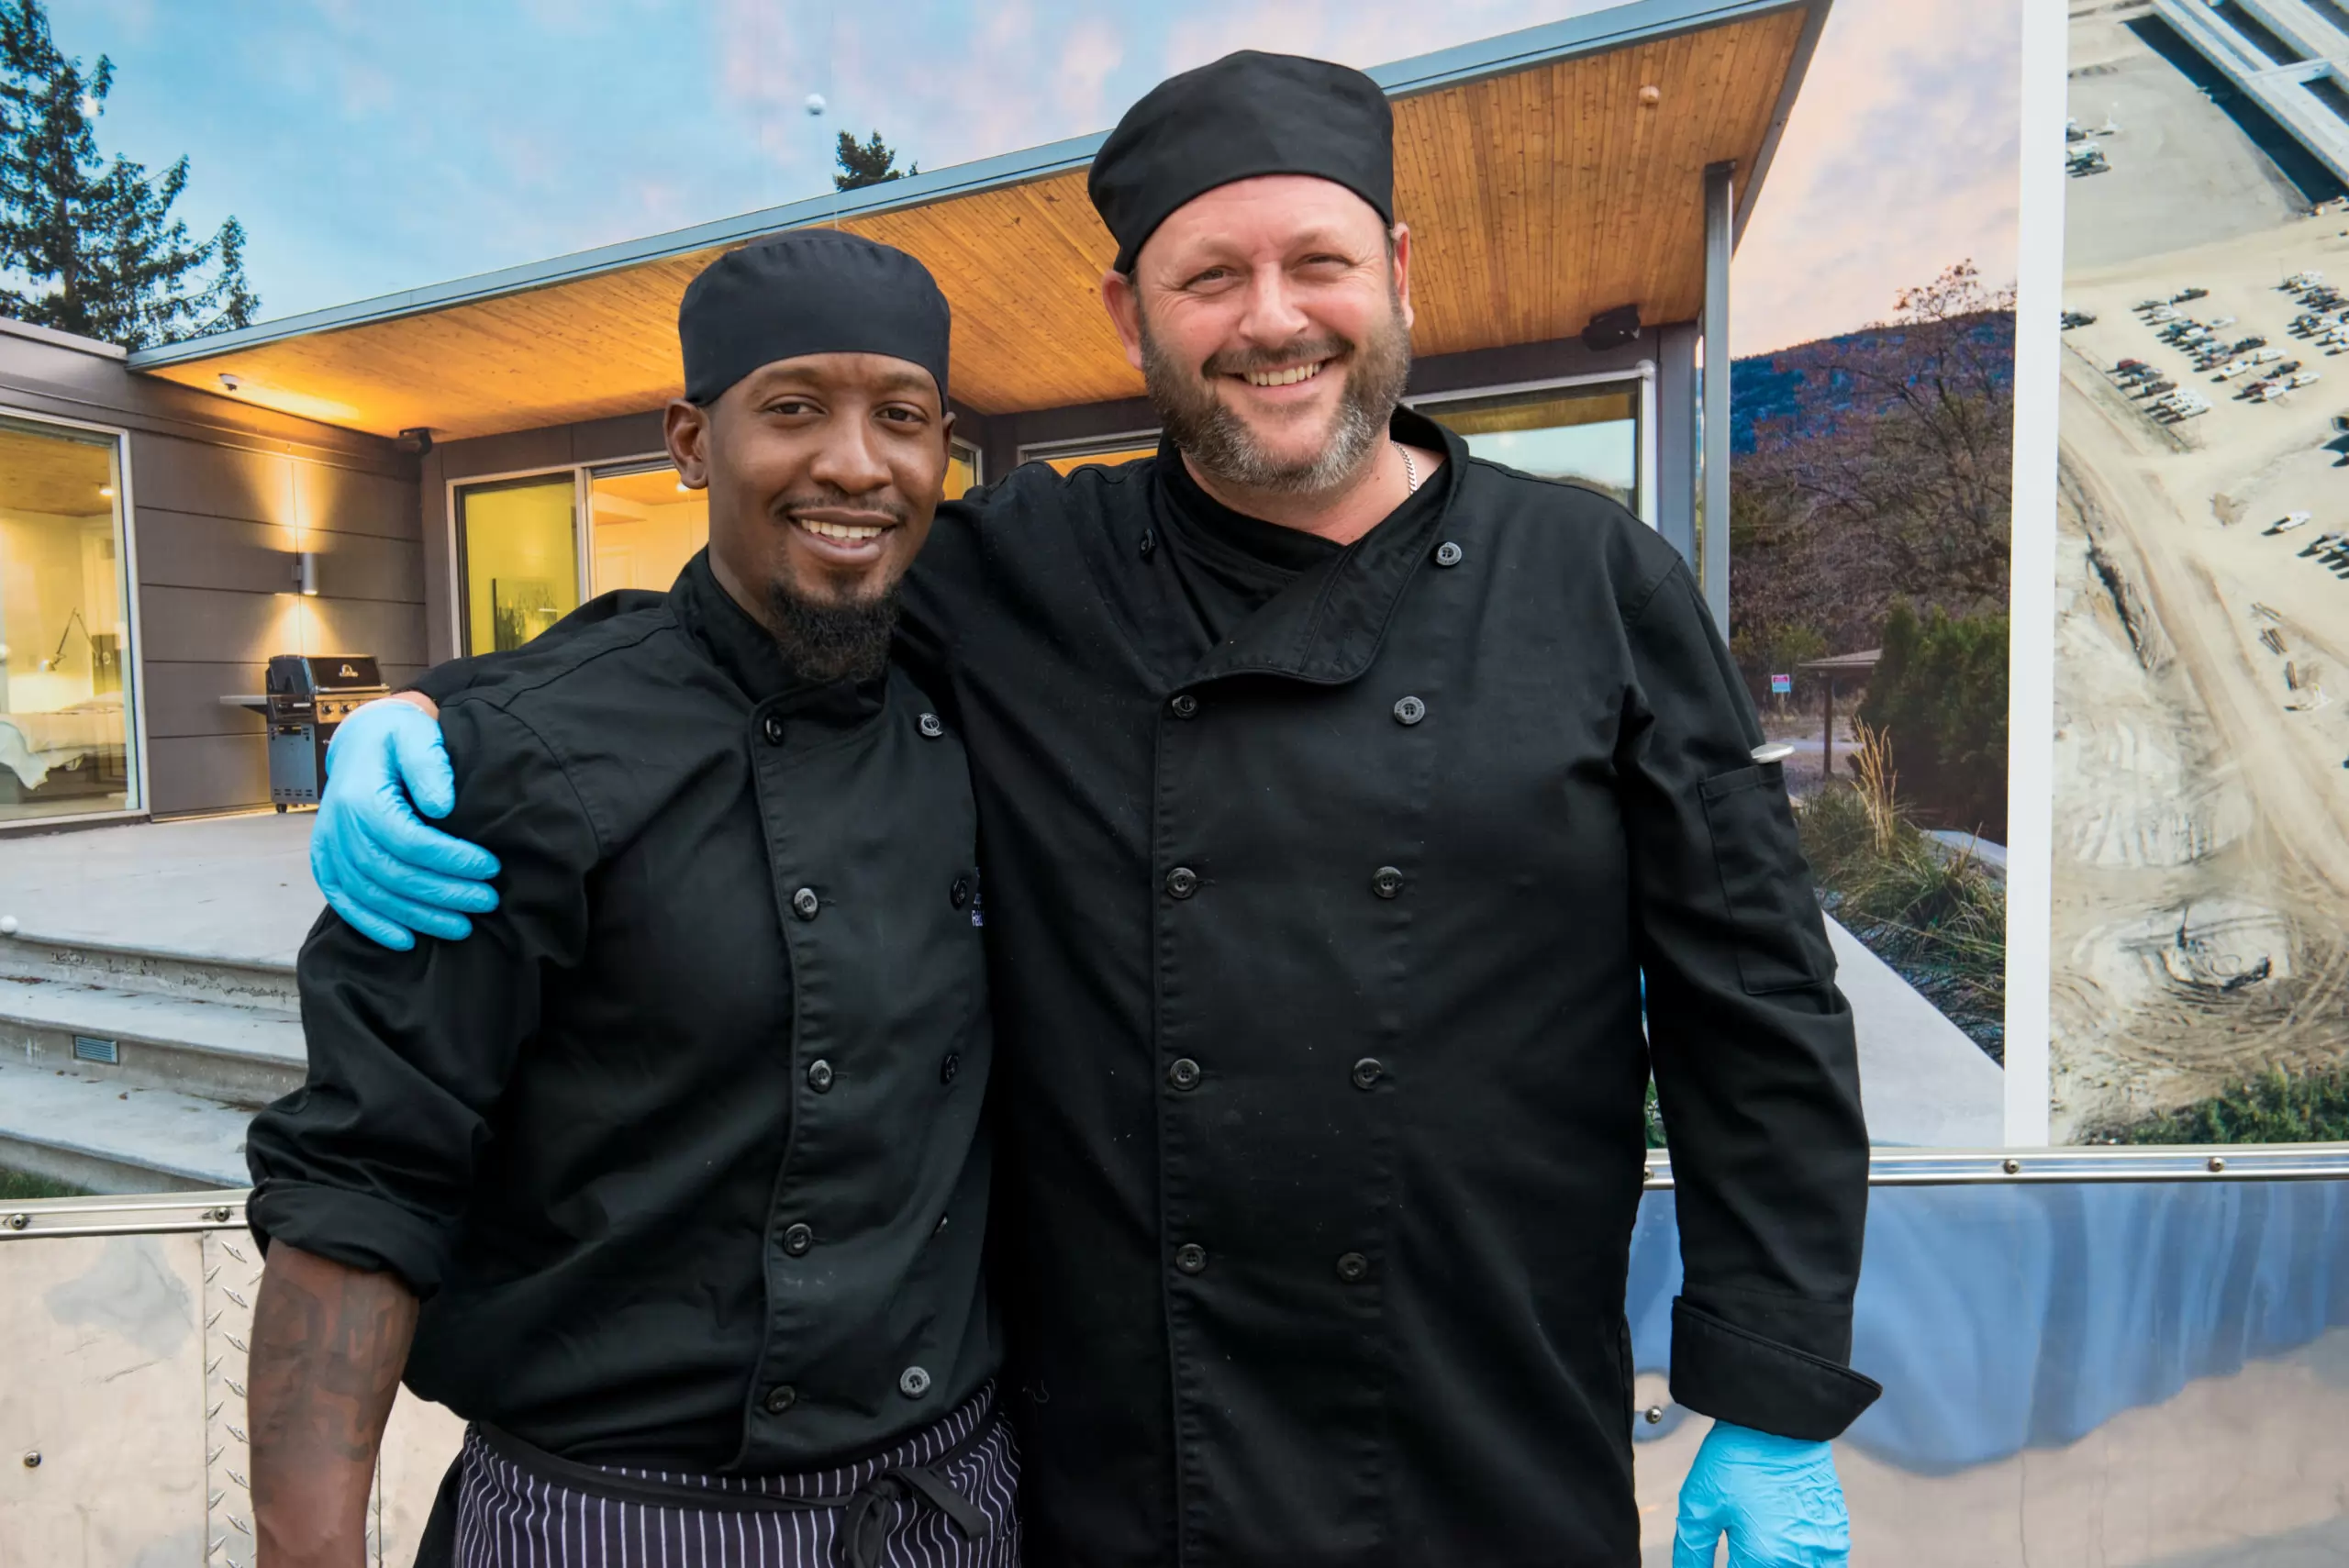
{"x": 375, "y": 145}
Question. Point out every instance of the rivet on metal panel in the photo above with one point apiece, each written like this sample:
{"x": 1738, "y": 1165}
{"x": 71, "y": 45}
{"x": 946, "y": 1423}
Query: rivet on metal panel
{"x": 2012, "y": 1167}
{"x": 19, "y": 1222}
{"x": 217, "y": 1215}
{"x": 2216, "y": 1163}
{"x": 1655, "y": 1414}
{"x": 32, "y": 1459}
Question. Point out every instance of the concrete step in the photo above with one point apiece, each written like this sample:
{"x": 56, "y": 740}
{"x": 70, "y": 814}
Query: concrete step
{"x": 93, "y": 1133}
{"x": 87, "y": 962}
{"x": 218, "y": 1049}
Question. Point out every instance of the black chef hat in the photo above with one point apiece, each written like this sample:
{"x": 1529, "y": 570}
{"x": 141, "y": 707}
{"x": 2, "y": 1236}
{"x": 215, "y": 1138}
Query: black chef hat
{"x": 1247, "y": 113}
{"x": 809, "y": 291}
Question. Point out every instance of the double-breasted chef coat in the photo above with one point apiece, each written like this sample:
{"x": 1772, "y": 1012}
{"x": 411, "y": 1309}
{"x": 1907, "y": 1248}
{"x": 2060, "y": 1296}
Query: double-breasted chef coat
{"x": 1316, "y": 942}
{"x": 684, "y": 1147}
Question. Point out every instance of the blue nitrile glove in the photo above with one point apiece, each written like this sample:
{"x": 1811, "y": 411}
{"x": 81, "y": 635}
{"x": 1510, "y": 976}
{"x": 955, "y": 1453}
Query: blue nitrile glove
{"x": 1777, "y": 1497}
{"x": 381, "y": 868}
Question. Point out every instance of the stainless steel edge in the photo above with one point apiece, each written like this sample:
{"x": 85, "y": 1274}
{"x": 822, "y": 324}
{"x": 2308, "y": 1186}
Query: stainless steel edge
{"x": 144, "y": 1214}
{"x": 2215, "y": 1162}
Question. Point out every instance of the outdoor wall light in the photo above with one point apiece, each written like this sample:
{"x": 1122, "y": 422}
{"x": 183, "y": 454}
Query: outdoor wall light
{"x": 306, "y": 572}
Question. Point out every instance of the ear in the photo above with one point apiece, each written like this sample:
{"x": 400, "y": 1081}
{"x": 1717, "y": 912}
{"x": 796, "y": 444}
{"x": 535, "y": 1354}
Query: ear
{"x": 1124, "y": 306}
{"x": 1402, "y": 232}
{"x": 684, "y": 429}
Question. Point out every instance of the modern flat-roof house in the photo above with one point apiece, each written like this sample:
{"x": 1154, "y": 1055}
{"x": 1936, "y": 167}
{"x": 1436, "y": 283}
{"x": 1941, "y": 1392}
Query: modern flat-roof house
{"x": 451, "y": 468}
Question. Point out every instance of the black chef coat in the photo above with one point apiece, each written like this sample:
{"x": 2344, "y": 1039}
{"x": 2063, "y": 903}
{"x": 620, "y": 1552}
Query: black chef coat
{"x": 683, "y": 1148}
{"x": 1316, "y": 947}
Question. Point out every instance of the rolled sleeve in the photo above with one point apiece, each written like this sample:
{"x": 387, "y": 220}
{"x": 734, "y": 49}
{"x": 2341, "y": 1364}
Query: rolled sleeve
{"x": 1755, "y": 1061}
{"x": 371, "y": 1160}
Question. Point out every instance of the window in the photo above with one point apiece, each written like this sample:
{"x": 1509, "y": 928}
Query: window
{"x": 520, "y": 549}
{"x": 643, "y": 527}
{"x": 1588, "y": 435}
{"x": 66, "y": 731}
{"x": 1067, "y": 457}
{"x": 963, "y": 471}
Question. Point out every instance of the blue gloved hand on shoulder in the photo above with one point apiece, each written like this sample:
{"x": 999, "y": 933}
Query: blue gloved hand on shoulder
{"x": 382, "y": 869}
{"x": 1777, "y": 1498}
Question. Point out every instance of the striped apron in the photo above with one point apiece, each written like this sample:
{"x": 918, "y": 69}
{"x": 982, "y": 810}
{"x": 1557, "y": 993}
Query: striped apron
{"x": 945, "y": 1498}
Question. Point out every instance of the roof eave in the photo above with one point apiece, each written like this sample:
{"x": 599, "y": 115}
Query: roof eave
{"x": 1614, "y": 28}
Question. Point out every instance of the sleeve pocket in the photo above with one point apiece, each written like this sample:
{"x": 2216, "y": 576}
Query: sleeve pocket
{"x": 1765, "y": 884}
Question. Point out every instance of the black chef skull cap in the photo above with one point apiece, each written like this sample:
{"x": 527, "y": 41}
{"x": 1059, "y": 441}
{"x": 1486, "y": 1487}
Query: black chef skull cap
{"x": 1246, "y": 115}
{"x": 808, "y": 291}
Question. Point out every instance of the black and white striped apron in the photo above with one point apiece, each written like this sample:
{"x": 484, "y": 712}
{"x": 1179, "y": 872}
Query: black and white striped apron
{"x": 945, "y": 1498}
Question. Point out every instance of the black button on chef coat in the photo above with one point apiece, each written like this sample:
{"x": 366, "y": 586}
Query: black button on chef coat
{"x": 1289, "y": 883}
{"x": 667, "y": 1145}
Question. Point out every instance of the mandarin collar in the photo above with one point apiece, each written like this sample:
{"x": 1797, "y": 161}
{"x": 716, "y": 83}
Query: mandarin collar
{"x": 1326, "y": 626}
{"x": 748, "y": 654}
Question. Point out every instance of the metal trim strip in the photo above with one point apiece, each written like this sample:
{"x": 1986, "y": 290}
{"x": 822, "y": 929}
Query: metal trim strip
{"x": 2210, "y": 1162}
{"x": 225, "y": 1209}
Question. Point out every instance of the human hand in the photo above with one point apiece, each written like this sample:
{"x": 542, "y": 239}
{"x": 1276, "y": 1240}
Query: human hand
{"x": 1777, "y": 1498}
{"x": 381, "y": 868}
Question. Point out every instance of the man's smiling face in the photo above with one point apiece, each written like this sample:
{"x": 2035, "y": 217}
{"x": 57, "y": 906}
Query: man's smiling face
{"x": 1273, "y": 324}
{"x": 824, "y": 472}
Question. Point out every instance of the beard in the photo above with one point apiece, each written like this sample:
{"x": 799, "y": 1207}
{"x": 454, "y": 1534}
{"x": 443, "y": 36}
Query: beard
{"x": 835, "y": 638}
{"x": 1221, "y": 443}
{"x": 832, "y": 639}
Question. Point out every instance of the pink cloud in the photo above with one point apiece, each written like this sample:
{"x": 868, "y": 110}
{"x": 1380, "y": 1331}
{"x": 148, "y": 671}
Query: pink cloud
{"x": 1901, "y": 159}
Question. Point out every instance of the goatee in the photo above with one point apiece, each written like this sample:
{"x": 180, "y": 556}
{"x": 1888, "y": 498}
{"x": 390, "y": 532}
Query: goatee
{"x": 1220, "y": 441}
{"x": 832, "y": 639}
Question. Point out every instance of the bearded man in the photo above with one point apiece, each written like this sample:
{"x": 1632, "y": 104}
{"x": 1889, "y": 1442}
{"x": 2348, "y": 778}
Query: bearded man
{"x": 1336, "y": 790}
{"x": 672, "y": 1181}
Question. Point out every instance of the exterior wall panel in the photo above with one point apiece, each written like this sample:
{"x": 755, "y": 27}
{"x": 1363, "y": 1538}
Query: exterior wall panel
{"x": 208, "y": 773}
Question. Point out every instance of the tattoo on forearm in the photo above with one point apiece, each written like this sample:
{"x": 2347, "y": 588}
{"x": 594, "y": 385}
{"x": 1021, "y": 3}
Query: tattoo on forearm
{"x": 328, "y": 1345}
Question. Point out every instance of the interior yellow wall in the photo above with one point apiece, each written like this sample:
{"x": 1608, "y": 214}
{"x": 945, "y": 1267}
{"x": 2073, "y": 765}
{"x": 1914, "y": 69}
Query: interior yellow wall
{"x": 52, "y": 565}
{"x": 646, "y": 546}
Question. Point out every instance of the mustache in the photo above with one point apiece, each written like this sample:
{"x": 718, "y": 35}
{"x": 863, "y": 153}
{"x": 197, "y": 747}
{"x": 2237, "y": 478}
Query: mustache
{"x": 1240, "y": 361}
{"x": 828, "y": 497}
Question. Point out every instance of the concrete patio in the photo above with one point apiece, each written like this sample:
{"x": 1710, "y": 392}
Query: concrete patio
{"x": 236, "y": 889}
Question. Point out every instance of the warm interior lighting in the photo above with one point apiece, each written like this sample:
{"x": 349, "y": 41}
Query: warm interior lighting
{"x": 106, "y": 491}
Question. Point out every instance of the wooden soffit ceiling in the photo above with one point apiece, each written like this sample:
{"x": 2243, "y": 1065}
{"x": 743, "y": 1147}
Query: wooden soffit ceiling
{"x": 1536, "y": 199}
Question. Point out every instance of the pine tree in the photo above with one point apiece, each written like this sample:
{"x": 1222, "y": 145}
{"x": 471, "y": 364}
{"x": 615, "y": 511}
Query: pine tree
{"x": 871, "y": 164}
{"x": 90, "y": 246}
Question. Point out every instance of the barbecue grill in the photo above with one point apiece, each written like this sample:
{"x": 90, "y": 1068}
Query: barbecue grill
{"x": 307, "y": 696}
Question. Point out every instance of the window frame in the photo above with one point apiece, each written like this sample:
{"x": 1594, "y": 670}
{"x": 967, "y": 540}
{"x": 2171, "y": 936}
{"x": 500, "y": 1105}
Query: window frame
{"x": 1642, "y": 375}
{"x": 972, "y": 451}
{"x": 460, "y": 598}
{"x": 137, "y": 791}
{"x": 1089, "y": 445}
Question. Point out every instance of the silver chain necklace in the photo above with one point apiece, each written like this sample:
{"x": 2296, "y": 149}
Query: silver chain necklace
{"x": 1410, "y": 470}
